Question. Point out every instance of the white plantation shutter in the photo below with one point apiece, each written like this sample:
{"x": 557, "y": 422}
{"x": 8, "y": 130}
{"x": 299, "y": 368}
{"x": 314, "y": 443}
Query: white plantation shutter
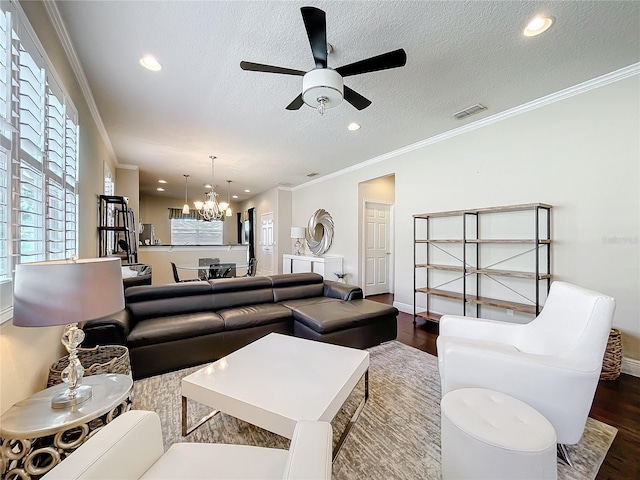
{"x": 71, "y": 181}
{"x": 38, "y": 152}
{"x": 5, "y": 144}
{"x": 5, "y": 271}
{"x": 30, "y": 226}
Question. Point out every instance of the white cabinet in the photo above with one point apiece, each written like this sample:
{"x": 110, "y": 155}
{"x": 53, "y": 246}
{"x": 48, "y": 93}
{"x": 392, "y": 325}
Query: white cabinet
{"x": 326, "y": 266}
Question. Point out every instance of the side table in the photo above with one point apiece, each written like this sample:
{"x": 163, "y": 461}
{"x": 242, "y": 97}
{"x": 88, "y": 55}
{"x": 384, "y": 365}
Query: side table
{"x": 34, "y": 437}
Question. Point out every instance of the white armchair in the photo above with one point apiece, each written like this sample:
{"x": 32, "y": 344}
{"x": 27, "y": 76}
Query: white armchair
{"x": 130, "y": 447}
{"x": 552, "y": 363}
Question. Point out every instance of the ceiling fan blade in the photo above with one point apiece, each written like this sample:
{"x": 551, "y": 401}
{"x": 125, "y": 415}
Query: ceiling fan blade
{"x": 355, "y": 99}
{"x": 315, "y": 21}
{"x": 296, "y": 104}
{"x": 258, "y": 67}
{"x": 397, "y": 58}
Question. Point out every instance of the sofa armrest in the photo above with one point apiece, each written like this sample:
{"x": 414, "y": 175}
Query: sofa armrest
{"x": 310, "y": 451}
{"x": 342, "y": 291}
{"x": 110, "y": 330}
{"x": 124, "y": 449}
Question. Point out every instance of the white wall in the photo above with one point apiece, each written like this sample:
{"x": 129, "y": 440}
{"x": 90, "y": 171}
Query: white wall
{"x": 278, "y": 201}
{"x": 128, "y": 185}
{"x": 580, "y": 154}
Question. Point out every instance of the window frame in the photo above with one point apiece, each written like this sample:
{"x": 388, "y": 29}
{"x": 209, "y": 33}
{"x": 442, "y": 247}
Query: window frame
{"x": 198, "y": 231}
{"x": 39, "y": 132}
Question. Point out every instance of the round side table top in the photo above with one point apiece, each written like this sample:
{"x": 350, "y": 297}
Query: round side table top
{"x": 34, "y": 417}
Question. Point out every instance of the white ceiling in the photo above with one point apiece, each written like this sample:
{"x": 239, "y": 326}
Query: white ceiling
{"x": 202, "y": 103}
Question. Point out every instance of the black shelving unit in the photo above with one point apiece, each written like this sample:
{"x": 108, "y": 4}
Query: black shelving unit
{"x": 117, "y": 229}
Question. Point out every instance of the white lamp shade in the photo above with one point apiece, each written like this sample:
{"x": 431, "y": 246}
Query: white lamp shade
{"x": 298, "y": 232}
{"x": 63, "y": 292}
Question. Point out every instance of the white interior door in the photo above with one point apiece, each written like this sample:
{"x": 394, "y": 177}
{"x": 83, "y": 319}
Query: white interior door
{"x": 265, "y": 264}
{"x": 377, "y": 248}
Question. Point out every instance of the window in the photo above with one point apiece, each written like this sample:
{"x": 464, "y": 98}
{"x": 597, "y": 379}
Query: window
{"x": 189, "y": 231}
{"x": 38, "y": 152}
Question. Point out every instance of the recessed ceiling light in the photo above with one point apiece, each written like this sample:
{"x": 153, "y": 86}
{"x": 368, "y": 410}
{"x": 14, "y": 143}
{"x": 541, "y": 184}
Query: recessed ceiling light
{"x": 160, "y": 189}
{"x": 206, "y": 185}
{"x": 162, "y": 181}
{"x": 234, "y": 196}
{"x": 247, "y": 191}
{"x": 538, "y": 25}
{"x": 353, "y": 126}
{"x": 150, "y": 63}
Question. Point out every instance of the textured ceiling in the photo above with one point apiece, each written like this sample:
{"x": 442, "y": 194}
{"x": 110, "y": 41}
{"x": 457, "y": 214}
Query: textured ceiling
{"x": 202, "y": 103}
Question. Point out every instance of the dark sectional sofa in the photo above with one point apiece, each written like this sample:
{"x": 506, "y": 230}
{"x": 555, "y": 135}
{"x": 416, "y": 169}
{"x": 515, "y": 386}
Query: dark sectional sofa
{"x": 168, "y": 327}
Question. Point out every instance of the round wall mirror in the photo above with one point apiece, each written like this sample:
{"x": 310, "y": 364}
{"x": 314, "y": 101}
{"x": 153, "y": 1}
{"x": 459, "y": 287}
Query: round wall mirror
{"x": 320, "y": 232}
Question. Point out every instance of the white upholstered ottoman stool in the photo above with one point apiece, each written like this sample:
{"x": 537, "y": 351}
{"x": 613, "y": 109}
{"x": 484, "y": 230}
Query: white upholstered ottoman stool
{"x": 487, "y": 435}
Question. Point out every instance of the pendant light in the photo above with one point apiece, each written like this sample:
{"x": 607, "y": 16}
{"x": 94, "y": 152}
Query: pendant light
{"x": 185, "y": 208}
{"x": 228, "y": 213}
{"x": 210, "y": 209}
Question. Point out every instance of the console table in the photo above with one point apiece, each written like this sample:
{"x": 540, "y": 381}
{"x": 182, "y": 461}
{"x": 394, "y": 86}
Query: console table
{"x": 326, "y": 266}
{"x": 35, "y": 437}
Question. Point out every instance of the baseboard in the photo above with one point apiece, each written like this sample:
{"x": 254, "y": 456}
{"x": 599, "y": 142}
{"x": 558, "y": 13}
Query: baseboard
{"x": 630, "y": 366}
{"x": 404, "y": 307}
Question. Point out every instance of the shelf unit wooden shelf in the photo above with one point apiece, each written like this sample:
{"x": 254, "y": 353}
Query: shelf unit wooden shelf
{"x": 117, "y": 229}
{"x": 468, "y": 262}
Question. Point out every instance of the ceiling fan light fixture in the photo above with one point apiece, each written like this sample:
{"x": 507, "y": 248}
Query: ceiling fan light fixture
{"x": 322, "y": 88}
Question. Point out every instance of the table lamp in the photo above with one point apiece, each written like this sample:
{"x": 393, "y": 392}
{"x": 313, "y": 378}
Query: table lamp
{"x": 66, "y": 292}
{"x": 297, "y": 233}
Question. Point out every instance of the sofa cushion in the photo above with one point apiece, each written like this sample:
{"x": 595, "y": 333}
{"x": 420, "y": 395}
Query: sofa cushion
{"x": 249, "y": 316}
{"x": 296, "y": 303}
{"x": 174, "y": 327}
{"x": 154, "y": 301}
{"x": 235, "y": 292}
{"x": 291, "y": 286}
{"x": 326, "y": 317}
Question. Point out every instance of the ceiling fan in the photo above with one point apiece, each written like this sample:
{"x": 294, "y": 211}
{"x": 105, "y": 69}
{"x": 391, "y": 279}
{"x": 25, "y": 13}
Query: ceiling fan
{"x": 322, "y": 87}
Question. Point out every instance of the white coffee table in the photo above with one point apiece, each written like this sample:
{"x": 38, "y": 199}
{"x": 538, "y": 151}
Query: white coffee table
{"x": 278, "y": 380}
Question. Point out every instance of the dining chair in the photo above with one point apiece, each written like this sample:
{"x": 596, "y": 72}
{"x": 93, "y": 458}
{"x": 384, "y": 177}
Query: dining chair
{"x": 176, "y": 277}
{"x": 205, "y": 273}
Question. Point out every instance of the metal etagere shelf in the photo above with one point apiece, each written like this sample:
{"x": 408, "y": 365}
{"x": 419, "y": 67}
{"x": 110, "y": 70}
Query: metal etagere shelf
{"x": 117, "y": 229}
{"x": 465, "y": 265}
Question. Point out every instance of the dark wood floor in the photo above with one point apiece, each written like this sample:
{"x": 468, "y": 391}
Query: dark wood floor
{"x": 617, "y": 402}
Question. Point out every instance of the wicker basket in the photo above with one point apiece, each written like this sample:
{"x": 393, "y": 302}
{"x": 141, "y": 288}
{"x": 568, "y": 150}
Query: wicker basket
{"x": 96, "y": 360}
{"x": 612, "y": 356}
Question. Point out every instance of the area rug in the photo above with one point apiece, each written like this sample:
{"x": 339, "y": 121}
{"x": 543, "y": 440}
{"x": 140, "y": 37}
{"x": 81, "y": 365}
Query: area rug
{"x": 396, "y": 437}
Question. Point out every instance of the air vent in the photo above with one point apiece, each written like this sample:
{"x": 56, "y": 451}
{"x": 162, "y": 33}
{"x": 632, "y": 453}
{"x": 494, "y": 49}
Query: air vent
{"x": 312, "y": 174}
{"x": 467, "y": 112}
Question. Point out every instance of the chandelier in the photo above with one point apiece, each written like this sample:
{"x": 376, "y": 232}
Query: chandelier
{"x": 210, "y": 209}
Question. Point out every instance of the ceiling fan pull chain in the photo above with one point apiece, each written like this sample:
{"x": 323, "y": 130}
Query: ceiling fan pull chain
{"x": 321, "y": 104}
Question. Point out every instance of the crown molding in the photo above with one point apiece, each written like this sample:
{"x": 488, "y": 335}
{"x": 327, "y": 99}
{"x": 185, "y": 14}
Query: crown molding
{"x": 125, "y": 166}
{"x": 67, "y": 44}
{"x": 594, "y": 83}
